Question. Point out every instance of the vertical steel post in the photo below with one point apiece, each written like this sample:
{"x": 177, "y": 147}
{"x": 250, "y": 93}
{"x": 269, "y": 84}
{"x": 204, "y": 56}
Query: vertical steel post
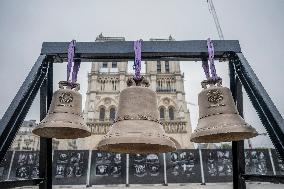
{"x": 201, "y": 167}
{"x": 237, "y": 146}
{"x": 45, "y": 156}
{"x": 165, "y": 170}
{"x": 272, "y": 162}
{"x": 127, "y": 170}
{"x": 89, "y": 169}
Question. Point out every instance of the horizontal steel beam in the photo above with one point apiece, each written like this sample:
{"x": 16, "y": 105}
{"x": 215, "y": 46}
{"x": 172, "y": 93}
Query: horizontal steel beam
{"x": 264, "y": 178}
{"x": 19, "y": 183}
{"x": 151, "y": 50}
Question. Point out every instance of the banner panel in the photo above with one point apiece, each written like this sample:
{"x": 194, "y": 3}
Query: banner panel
{"x": 146, "y": 169}
{"x": 5, "y": 165}
{"x": 70, "y": 167}
{"x": 107, "y": 168}
{"x": 183, "y": 166}
{"x": 25, "y": 165}
{"x": 217, "y": 165}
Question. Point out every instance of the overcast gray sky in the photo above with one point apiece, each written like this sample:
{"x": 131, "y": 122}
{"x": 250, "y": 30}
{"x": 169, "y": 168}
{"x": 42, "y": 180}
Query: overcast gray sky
{"x": 257, "y": 24}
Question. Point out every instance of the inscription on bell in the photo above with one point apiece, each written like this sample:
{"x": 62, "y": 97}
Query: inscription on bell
{"x": 140, "y": 100}
{"x": 66, "y": 98}
{"x": 215, "y": 96}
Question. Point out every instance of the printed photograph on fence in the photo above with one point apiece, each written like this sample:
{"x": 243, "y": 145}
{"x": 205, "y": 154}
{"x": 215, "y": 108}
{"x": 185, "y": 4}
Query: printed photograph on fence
{"x": 217, "y": 165}
{"x": 278, "y": 163}
{"x": 146, "y": 169}
{"x": 258, "y": 162}
{"x": 5, "y": 165}
{"x": 108, "y": 168}
{"x": 25, "y": 165}
{"x": 183, "y": 166}
{"x": 70, "y": 167}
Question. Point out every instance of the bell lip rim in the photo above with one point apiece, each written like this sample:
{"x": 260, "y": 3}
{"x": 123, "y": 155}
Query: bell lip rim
{"x": 168, "y": 149}
{"x": 194, "y": 136}
{"x": 83, "y": 133}
{"x": 168, "y": 142}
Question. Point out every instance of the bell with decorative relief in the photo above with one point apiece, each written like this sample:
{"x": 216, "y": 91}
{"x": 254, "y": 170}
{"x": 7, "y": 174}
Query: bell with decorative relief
{"x": 64, "y": 119}
{"x": 137, "y": 129}
{"x": 219, "y": 120}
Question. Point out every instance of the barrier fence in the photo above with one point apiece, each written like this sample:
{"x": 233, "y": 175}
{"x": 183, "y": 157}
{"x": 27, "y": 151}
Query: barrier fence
{"x": 83, "y": 167}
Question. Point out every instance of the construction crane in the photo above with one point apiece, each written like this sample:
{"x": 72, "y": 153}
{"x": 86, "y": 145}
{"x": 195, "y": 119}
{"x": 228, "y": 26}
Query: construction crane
{"x": 215, "y": 17}
{"x": 221, "y": 36}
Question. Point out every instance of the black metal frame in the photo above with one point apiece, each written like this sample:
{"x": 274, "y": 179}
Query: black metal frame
{"x": 41, "y": 77}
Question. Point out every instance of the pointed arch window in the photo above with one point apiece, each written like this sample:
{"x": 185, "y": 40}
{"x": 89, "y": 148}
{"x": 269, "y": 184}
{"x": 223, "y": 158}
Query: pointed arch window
{"x": 167, "y": 66}
{"x": 112, "y": 114}
{"x": 162, "y": 113}
{"x": 102, "y": 114}
{"x": 171, "y": 113}
{"x": 104, "y": 64}
{"x": 114, "y": 64}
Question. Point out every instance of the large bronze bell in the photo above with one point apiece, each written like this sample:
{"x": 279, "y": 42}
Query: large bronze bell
{"x": 137, "y": 129}
{"x": 64, "y": 119}
{"x": 219, "y": 120}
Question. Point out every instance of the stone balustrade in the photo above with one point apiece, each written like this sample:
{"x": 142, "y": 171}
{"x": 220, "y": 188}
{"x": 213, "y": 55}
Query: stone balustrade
{"x": 169, "y": 127}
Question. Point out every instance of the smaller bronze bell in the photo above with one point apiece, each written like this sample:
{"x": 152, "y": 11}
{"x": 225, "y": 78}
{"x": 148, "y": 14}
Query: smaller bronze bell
{"x": 64, "y": 119}
{"x": 137, "y": 129}
{"x": 219, "y": 120}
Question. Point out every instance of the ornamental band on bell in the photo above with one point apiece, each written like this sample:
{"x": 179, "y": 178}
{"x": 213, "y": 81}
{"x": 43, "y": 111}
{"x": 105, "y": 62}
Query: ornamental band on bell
{"x": 215, "y": 96}
{"x": 66, "y": 98}
{"x": 138, "y": 117}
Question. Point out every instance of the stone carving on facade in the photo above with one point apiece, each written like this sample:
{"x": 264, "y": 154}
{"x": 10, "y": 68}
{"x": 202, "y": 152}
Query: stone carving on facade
{"x": 107, "y": 101}
{"x": 99, "y": 128}
{"x": 174, "y": 127}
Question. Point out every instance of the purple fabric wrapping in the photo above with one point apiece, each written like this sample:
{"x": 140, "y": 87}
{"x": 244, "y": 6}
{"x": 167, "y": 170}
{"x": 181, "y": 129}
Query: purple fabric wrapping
{"x": 137, "y": 61}
{"x": 211, "y": 59}
{"x": 72, "y": 66}
{"x": 205, "y": 65}
{"x": 206, "y": 68}
{"x": 71, "y": 53}
{"x": 75, "y": 71}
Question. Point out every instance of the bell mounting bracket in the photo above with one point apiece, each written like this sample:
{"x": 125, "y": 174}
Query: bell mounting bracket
{"x": 211, "y": 82}
{"x": 68, "y": 85}
{"x": 142, "y": 81}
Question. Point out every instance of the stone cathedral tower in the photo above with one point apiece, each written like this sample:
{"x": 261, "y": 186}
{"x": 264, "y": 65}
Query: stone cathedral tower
{"x": 107, "y": 79}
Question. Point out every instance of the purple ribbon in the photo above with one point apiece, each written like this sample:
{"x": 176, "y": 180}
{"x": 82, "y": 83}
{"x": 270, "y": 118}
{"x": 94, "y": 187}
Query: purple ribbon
{"x": 206, "y": 68}
{"x": 72, "y": 66}
{"x": 137, "y": 61}
{"x": 205, "y": 65}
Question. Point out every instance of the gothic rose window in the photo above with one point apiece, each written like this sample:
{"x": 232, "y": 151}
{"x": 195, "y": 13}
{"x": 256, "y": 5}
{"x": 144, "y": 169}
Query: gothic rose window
{"x": 102, "y": 114}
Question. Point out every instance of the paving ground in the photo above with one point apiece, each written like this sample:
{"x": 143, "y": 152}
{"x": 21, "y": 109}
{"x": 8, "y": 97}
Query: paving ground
{"x": 176, "y": 186}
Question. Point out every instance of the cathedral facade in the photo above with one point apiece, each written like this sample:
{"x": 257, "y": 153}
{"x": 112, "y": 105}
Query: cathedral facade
{"x": 107, "y": 79}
